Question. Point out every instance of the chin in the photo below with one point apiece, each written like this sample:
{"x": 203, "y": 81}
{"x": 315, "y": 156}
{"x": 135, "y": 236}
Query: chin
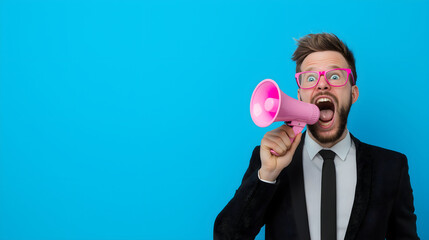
{"x": 325, "y": 137}
{"x": 331, "y": 134}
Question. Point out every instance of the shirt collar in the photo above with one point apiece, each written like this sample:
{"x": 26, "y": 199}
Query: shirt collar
{"x": 341, "y": 148}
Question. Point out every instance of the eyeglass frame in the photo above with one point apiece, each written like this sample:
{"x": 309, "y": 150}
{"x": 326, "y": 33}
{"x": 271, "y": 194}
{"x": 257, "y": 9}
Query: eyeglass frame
{"x": 348, "y": 70}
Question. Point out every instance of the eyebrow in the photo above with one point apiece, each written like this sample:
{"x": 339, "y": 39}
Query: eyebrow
{"x": 330, "y": 67}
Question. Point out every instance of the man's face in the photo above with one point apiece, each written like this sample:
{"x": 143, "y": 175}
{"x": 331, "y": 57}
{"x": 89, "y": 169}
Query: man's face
{"x": 334, "y": 102}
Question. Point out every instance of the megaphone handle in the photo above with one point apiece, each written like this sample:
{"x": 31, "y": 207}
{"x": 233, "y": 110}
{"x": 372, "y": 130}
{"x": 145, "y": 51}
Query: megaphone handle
{"x": 296, "y": 127}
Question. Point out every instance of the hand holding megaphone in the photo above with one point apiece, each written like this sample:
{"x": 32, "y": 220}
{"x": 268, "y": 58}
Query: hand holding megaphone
{"x": 269, "y": 104}
{"x": 277, "y": 140}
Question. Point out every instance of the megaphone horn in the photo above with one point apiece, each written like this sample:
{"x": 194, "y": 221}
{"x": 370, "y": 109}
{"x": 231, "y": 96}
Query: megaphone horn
{"x": 269, "y": 104}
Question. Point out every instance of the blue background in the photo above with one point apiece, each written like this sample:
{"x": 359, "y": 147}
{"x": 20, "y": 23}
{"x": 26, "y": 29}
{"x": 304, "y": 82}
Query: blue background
{"x": 130, "y": 119}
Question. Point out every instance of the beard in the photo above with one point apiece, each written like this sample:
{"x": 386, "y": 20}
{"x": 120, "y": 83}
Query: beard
{"x": 343, "y": 115}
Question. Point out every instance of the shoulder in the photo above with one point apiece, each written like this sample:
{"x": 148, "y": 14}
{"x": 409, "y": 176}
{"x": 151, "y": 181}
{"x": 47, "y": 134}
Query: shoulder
{"x": 379, "y": 156}
{"x": 379, "y": 151}
{"x": 376, "y": 150}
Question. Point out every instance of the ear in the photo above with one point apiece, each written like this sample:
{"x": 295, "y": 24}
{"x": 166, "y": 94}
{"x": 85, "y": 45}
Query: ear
{"x": 299, "y": 95}
{"x": 355, "y": 93}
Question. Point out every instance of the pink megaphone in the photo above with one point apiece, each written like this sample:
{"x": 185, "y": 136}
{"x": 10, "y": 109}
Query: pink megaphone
{"x": 269, "y": 104}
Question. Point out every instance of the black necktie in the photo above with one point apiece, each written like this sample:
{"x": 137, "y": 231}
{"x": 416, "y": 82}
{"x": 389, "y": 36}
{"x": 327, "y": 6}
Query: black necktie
{"x": 328, "y": 211}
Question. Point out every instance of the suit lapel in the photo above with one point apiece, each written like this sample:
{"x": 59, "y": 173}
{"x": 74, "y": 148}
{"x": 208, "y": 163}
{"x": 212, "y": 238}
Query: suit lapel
{"x": 363, "y": 188}
{"x": 296, "y": 184}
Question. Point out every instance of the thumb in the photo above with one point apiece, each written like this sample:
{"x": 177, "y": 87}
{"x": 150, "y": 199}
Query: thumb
{"x": 295, "y": 143}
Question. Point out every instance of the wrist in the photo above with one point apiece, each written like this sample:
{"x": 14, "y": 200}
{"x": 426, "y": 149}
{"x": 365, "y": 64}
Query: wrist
{"x": 266, "y": 175}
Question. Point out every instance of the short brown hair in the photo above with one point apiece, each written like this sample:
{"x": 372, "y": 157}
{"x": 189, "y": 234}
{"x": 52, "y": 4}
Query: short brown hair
{"x": 322, "y": 42}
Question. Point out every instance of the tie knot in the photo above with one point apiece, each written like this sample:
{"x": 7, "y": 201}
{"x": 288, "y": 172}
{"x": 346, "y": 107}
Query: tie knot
{"x": 327, "y": 154}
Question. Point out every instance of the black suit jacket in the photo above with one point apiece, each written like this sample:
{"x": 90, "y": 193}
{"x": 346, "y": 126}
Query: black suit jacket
{"x": 383, "y": 206}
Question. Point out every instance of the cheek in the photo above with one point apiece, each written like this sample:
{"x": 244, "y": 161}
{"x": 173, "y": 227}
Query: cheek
{"x": 346, "y": 100}
{"x": 305, "y": 97}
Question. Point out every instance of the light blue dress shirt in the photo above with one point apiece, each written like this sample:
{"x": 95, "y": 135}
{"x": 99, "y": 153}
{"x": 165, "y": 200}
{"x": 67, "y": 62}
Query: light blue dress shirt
{"x": 346, "y": 174}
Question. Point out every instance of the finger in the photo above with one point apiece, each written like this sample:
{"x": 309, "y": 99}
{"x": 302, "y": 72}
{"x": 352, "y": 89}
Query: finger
{"x": 283, "y": 134}
{"x": 288, "y": 130}
{"x": 295, "y": 142}
{"x": 285, "y": 138}
{"x": 275, "y": 143}
{"x": 277, "y": 138}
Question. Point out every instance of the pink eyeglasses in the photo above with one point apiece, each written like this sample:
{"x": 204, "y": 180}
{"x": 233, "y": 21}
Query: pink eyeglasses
{"x": 337, "y": 77}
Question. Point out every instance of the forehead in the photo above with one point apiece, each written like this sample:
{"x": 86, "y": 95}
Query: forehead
{"x": 323, "y": 61}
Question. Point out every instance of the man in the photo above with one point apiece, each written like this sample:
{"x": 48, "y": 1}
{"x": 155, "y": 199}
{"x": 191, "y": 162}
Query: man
{"x": 326, "y": 184}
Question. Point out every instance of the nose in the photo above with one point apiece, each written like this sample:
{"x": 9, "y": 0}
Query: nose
{"x": 323, "y": 84}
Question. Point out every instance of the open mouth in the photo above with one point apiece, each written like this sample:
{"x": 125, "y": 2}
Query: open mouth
{"x": 327, "y": 109}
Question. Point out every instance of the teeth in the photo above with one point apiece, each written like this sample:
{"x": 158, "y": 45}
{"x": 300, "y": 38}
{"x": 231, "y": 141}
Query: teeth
{"x": 323, "y": 100}
{"x": 324, "y": 124}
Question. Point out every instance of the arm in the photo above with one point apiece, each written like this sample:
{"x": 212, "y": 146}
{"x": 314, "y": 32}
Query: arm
{"x": 244, "y": 215}
{"x": 402, "y": 222}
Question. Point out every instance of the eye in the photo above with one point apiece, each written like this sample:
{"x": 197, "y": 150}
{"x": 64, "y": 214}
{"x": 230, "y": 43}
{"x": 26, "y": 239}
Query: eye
{"x": 311, "y": 79}
{"x": 335, "y": 77}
